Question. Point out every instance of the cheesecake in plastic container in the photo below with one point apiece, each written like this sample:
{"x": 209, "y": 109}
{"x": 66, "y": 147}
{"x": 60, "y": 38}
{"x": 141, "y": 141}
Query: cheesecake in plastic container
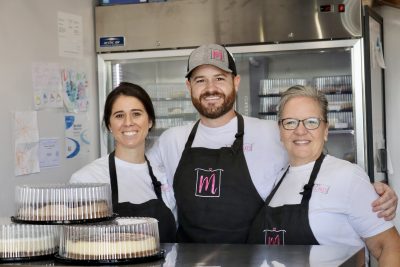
{"x": 24, "y": 242}
{"x": 122, "y": 240}
{"x": 63, "y": 203}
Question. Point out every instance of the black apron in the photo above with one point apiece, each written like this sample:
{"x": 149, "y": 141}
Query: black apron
{"x": 155, "y": 208}
{"x": 214, "y": 193}
{"x": 287, "y": 224}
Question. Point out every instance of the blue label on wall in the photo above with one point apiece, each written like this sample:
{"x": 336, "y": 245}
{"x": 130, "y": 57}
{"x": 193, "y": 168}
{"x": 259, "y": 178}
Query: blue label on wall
{"x": 112, "y": 41}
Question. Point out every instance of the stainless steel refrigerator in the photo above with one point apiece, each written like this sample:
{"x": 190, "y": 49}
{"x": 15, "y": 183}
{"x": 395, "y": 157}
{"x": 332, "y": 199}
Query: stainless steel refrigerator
{"x": 334, "y": 46}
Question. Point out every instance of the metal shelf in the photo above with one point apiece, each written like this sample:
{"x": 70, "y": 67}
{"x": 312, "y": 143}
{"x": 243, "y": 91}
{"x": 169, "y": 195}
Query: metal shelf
{"x": 177, "y": 115}
{"x": 270, "y": 95}
{"x": 341, "y": 131}
{"x": 172, "y": 99}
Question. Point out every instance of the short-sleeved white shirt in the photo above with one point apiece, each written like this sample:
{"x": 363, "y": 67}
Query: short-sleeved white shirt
{"x": 340, "y": 209}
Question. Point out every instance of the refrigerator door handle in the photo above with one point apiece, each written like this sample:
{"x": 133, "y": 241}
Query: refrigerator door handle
{"x": 382, "y": 160}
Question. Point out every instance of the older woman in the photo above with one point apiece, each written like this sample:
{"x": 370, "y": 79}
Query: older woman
{"x": 320, "y": 199}
{"x": 136, "y": 191}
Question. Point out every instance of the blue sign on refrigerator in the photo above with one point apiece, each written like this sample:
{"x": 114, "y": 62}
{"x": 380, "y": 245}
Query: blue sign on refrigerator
{"x": 112, "y": 41}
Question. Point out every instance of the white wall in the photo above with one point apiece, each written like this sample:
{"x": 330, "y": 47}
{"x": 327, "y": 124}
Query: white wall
{"x": 391, "y": 22}
{"x": 28, "y": 34}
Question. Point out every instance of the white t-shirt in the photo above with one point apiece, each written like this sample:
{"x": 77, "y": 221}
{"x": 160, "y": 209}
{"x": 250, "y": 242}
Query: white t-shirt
{"x": 264, "y": 153}
{"x": 134, "y": 181}
{"x": 340, "y": 209}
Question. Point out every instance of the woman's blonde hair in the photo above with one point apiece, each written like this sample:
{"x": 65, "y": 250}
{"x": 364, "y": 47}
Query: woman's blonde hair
{"x": 307, "y": 91}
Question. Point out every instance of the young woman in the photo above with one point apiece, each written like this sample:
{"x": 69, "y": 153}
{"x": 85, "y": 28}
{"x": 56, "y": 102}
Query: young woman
{"x": 137, "y": 188}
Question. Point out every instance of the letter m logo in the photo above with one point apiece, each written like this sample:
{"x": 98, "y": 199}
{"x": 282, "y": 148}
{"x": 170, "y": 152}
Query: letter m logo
{"x": 217, "y": 55}
{"x": 208, "y": 182}
{"x": 274, "y": 237}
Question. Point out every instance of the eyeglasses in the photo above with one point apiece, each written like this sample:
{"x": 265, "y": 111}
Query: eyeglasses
{"x": 309, "y": 123}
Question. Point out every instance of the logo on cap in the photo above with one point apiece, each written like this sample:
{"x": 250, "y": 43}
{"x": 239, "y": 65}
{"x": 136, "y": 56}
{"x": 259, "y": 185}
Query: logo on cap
{"x": 217, "y": 54}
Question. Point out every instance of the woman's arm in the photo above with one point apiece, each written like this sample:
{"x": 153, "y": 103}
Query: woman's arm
{"x": 385, "y": 247}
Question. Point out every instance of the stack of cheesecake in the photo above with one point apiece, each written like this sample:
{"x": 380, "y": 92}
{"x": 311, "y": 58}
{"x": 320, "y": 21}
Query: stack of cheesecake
{"x": 76, "y": 220}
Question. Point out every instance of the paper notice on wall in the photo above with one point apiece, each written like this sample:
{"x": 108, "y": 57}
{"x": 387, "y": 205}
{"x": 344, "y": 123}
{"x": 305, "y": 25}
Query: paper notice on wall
{"x": 70, "y": 38}
{"x": 76, "y": 136}
{"x": 49, "y": 152}
{"x": 26, "y": 142}
{"x": 26, "y": 158}
{"x": 376, "y": 48}
{"x": 46, "y": 80}
{"x": 74, "y": 84}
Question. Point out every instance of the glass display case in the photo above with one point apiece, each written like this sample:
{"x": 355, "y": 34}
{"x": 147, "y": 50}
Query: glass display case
{"x": 265, "y": 73}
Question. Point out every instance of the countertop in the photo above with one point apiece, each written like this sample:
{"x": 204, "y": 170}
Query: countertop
{"x": 185, "y": 254}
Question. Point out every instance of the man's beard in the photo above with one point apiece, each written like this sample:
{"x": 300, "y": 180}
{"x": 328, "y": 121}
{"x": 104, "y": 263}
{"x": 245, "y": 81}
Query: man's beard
{"x": 213, "y": 111}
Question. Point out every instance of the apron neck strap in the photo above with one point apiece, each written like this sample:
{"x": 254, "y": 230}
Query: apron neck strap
{"x": 113, "y": 178}
{"x": 156, "y": 183}
{"x": 189, "y": 142}
{"x": 238, "y": 143}
{"x": 307, "y": 189}
{"x": 271, "y": 195}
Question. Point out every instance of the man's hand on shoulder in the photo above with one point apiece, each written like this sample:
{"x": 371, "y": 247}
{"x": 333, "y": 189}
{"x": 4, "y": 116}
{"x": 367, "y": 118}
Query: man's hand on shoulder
{"x": 386, "y": 204}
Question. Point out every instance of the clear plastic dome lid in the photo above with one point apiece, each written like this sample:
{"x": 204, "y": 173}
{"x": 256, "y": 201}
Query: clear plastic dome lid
{"x": 122, "y": 238}
{"x": 63, "y": 202}
{"x": 27, "y": 240}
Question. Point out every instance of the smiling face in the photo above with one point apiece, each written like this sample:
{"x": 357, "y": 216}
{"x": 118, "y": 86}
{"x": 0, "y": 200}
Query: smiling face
{"x": 129, "y": 123}
{"x": 303, "y": 145}
{"x": 213, "y": 91}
